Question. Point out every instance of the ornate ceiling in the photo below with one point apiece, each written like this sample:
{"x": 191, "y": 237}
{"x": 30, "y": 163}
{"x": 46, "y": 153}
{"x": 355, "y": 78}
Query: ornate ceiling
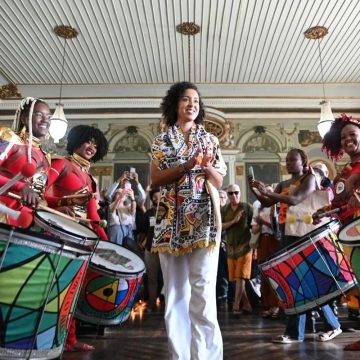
{"x": 249, "y": 55}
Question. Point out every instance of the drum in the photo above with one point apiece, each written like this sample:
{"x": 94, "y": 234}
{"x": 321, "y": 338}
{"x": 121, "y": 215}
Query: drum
{"x": 310, "y": 272}
{"x": 40, "y": 278}
{"x": 110, "y": 286}
{"x": 349, "y": 236}
{"x": 65, "y": 229}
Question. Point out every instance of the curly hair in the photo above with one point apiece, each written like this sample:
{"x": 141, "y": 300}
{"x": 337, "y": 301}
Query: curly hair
{"x": 169, "y": 103}
{"x": 81, "y": 134}
{"x": 332, "y": 139}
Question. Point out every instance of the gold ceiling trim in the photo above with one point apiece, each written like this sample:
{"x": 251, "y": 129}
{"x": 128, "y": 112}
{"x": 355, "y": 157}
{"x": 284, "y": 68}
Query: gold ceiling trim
{"x": 316, "y": 32}
{"x": 66, "y": 31}
{"x": 188, "y": 28}
{"x": 8, "y": 91}
{"x": 222, "y": 129}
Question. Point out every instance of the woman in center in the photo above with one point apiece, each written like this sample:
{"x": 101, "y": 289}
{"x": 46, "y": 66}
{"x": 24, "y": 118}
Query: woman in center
{"x": 188, "y": 166}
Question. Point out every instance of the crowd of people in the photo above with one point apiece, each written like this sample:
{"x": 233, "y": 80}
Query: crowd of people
{"x": 184, "y": 223}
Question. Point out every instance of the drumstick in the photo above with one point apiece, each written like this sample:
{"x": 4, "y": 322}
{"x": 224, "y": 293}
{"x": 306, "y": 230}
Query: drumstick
{"x": 24, "y": 218}
{"x": 28, "y": 170}
{"x": 74, "y": 196}
{"x": 332, "y": 211}
{"x": 101, "y": 223}
{"x": 357, "y": 196}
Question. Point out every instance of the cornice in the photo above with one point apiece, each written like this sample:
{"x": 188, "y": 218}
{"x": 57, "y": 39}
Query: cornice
{"x": 289, "y": 104}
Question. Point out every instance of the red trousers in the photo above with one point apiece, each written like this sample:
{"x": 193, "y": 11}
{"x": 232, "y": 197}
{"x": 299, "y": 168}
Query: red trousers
{"x": 267, "y": 246}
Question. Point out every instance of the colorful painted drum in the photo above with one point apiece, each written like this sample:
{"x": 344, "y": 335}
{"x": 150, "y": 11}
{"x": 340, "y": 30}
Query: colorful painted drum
{"x": 110, "y": 286}
{"x": 66, "y": 229}
{"x": 350, "y": 234}
{"x": 40, "y": 278}
{"x": 349, "y": 237}
{"x": 310, "y": 272}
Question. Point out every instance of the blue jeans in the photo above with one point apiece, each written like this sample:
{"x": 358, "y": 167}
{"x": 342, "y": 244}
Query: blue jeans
{"x": 222, "y": 282}
{"x": 118, "y": 232}
{"x": 295, "y": 326}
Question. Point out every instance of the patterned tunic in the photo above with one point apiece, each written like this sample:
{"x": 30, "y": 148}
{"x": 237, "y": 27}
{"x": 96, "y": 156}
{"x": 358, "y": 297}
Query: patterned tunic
{"x": 185, "y": 213}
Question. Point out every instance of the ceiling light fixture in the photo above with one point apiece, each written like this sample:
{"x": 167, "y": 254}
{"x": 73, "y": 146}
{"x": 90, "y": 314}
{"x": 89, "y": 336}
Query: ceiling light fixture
{"x": 326, "y": 117}
{"x": 59, "y": 123}
{"x": 189, "y": 29}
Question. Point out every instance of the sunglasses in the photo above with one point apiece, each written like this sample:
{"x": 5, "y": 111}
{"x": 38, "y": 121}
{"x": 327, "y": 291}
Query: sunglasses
{"x": 233, "y": 192}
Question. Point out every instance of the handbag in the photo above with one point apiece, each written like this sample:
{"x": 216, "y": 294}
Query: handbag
{"x": 299, "y": 217}
{"x": 131, "y": 244}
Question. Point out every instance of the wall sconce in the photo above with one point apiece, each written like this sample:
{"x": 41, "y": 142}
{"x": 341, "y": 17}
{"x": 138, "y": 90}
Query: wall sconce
{"x": 326, "y": 117}
{"x": 59, "y": 123}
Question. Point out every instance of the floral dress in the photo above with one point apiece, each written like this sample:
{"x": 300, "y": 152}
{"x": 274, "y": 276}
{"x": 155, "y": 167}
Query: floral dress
{"x": 185, "y": 213}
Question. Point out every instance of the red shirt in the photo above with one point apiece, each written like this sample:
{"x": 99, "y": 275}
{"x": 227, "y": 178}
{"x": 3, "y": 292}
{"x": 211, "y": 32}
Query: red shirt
{"x": 13, "y": 156}
{"x": 66, "y": 177}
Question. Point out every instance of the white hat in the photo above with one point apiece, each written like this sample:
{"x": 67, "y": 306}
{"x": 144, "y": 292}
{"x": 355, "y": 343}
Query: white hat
{"x": 322, "y": 167}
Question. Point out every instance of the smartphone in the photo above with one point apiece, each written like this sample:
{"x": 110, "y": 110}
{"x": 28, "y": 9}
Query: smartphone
{"x": 132, "y": 171}
{"x": 251, "y": 176}
{"x": 127, "y": 185}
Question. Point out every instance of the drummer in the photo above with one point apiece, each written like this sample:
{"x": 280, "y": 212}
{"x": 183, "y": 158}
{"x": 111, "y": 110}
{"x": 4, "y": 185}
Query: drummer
{"x": 303, "y": 182}
{"x": 31, "y": 124}
{"x": 71, "y": 190}
{"x": 344, "y": 138}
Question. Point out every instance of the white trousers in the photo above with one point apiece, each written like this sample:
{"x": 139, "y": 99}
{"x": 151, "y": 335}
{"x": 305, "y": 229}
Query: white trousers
{"x": 190, "y": 305}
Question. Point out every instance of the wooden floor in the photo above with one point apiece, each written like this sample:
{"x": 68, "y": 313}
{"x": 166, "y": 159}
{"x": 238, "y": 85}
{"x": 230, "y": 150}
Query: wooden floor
{"x": 246, "y": 337}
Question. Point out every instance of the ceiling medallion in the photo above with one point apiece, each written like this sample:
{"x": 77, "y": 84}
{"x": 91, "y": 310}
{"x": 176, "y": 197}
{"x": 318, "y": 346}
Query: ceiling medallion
{"x": 316, "y": 32}
{"x": 8, "y": 91}
{"x": 66, "y": 31}
{"x": 188, "y": 28}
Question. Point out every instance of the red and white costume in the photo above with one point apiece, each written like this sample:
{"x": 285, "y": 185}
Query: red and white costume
{"x": 70, "y": 176}
{"x": 13, "y": 156}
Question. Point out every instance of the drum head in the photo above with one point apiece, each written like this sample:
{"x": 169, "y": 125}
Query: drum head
{"x": 350, "y": 234}
{"x": 116, "y": 259}
{"x": 59, "y": 223}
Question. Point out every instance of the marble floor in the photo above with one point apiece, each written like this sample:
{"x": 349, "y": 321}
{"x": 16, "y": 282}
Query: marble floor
{"x": 245, "y": 337}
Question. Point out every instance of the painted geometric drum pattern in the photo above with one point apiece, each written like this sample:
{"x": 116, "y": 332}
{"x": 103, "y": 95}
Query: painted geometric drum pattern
{"x": 349, "y": 237}
{"x": 110, "y": 286}
{"x": 310, "y": 272}
{"x": 39, "y": 283}
{"x": 106, "y": 299}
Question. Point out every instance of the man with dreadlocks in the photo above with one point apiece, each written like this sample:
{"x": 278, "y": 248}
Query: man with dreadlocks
{"x": 70, "y": 175}
{"x": 21, "y": 145}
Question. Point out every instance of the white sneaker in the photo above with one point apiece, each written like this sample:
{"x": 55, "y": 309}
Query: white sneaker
{"x": 329, "y": 335}
{"x": 285, "y": 339}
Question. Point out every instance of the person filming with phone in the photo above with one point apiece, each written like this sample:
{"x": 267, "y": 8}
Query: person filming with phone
{"x": 132, "y": 177}
{"x": 122, "y": 213}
